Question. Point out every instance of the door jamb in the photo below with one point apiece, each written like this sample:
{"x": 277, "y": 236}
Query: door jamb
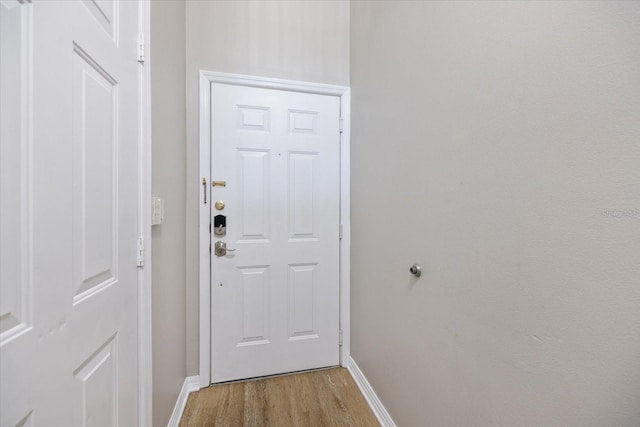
{"x": 344, "y": 92}
{"x": 145, "y": 359}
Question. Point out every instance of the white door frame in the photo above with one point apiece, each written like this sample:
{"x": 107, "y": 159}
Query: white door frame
{"x": 145, "y": 359}
{"x": 206, "y": 79}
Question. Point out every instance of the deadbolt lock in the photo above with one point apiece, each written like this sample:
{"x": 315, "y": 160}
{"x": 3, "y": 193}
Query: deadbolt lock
{"x": 219, "y": 205}
{"x": 220, "y": 225}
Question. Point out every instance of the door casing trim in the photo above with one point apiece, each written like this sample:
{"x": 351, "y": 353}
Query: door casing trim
{"x": 145, "y": 356}
{"x": 344, "y": 93}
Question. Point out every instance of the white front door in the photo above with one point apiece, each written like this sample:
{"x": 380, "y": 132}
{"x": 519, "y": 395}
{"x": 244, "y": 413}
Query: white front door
{"x": 275, "y": 163}
{"x": 69, "y": 217}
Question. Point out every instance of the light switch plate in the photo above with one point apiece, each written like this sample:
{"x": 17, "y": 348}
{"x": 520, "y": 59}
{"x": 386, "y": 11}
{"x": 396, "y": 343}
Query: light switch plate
{"x": 157, "y": 210}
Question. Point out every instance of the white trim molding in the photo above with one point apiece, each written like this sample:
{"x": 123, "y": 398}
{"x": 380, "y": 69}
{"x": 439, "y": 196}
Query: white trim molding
{"x": 344, "y": 93}
{"x": 145, "y": 372}
{"x": 370, "y": 396}
{"x": 190, "y": 385}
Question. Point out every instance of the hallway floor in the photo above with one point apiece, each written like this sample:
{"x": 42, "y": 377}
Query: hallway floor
{"x": 320, "y": 398}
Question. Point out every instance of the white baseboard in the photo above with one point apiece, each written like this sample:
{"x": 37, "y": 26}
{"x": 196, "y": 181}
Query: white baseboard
{"x": 190, "y": 384}
{"x": 372, "y": 399}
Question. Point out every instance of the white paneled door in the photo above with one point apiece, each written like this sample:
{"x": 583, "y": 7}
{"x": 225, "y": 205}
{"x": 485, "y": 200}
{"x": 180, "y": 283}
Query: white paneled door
{"x": 69, "y": 196}
{"x": 275, "y": 163}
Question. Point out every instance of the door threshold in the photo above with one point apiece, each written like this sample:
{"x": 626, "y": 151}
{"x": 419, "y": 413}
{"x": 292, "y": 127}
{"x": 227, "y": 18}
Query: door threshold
{"x": 284, "y": 374}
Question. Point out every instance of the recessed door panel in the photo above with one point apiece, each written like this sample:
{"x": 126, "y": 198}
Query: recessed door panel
{"x": 251, "y": 117}
{"x": 97, "y": 387}
{"x": 302, "y": 302}
{"x": 254, "y": 194}
{"x": 253, "y": 310}
{"x": 302, "y": 196}
{"x": 105, "y": 13}
{"x": 15, "y": 164}
{"x": 304, "y": 122}
{"x": 94, "y": 187}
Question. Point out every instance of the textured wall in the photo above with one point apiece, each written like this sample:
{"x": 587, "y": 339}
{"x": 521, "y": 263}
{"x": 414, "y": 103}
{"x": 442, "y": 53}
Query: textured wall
{"x": 498, "y": 144}
{"x": 291, "y": 40}
{"x": 168, "y": 133}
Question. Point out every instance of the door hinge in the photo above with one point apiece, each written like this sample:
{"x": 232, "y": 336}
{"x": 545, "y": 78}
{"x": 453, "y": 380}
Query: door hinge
{"x": 340, "y": 232}
{"x": 340, "y": 338}
{"x": 341, "y": 124}
{"x": 140, "y": 252}
{"x": 141, "y": 48}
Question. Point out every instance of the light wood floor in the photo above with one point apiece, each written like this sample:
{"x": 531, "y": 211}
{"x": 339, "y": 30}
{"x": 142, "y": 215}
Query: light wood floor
{"x": 320, "y": 398}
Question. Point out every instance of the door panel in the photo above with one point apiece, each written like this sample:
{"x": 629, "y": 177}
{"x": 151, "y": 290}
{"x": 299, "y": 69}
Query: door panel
{"x": 275, "y": 299}
{"x": 16, "y": 301}
{"x": 302, "y": 285}
{"x": 94, "y": 174}
{"x": 16, "y": 210}
{"x": 254, "y": 186}
{"x": 68, "y": 355}
{"x": 97, "y": 387}
{"x": 253, "y": 309}
{"x": 301, "y": 195}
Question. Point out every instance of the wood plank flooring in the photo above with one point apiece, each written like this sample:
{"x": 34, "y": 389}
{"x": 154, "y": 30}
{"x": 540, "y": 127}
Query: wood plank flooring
{"x": 320, "y": 398}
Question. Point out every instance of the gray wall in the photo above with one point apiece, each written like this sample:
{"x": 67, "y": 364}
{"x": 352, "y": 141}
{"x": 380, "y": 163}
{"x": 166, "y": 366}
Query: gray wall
{"x": 291, "y": 40}
{"x": 498, "y": 144}
{"x": 168, "y": 242}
